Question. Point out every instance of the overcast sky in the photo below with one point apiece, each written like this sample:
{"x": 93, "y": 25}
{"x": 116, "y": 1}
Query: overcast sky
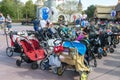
{"x": 87, "y": 3}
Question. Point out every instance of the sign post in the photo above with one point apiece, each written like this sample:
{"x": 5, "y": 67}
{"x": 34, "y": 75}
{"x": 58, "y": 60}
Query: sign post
{"x": 113, "y": 14}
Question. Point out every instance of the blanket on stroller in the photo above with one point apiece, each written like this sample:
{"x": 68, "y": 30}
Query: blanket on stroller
{"x": 79, "y": 46}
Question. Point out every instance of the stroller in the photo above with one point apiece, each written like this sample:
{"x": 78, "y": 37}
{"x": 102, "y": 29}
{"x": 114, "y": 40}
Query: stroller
{"x": 14, "y": 46}
{"x": 32, "y": 52}
{"x": 72, "y": 58}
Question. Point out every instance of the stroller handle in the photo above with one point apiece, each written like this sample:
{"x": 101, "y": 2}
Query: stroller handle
{"x": 54, "y": 42}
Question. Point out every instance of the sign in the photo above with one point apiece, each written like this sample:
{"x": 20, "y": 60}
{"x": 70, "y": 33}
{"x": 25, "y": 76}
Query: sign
{"x": 113, "y": 13}
{"x": 44, "y": 13}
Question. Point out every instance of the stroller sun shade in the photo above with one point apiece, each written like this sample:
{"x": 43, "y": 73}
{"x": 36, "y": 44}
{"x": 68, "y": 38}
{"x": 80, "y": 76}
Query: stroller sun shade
{"x": 80, "y": 47}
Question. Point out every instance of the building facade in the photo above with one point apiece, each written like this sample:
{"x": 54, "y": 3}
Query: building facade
{"x": 52, "y": 5}
{"x": 104, "y": 12}
{"x": 117, "y": 9}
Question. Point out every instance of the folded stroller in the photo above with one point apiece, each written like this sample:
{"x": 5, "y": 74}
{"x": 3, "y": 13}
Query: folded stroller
{"x": 32, "y": 52}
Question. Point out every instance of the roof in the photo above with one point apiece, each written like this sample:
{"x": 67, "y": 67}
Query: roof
{"x": 117, "y": 8}
{"x": 103, "y": 16}
{"x": 103, "y": 12}
{"x": 104, "y": 9}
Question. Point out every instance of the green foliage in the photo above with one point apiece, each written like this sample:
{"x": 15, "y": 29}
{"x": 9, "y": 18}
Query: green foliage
{"x": 90, "y": 11}
{"x": 29, "y": 10}
{"x": 17, "y": 9}
{"x": 7, "y": 7}
{"x": 69, "y": 8}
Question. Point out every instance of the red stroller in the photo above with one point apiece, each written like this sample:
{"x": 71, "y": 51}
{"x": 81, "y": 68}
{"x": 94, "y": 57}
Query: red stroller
{"x": 32, "y": 52}
{"x": 13, "y": 47}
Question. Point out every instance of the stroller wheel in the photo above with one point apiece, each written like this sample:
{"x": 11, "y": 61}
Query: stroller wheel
{"x": 44, "y": 64}
{"x": 95, "y": 63}
{"x": 18, "y": 62}
{"x": 86, "y": 63}
{"x": 34, "y": 65}
{"x": 99, "y": 56}
{"x": 116, "y": 41}
{"x": 54, "y": 70}
{"x": 111, "y": 50}
{"x": 114, "y": 46}
{"x": 60, "y": 71}
{"x": 83, "y": 76}
{"x": 104, "y": 53}
{"x": 9, "y": 52}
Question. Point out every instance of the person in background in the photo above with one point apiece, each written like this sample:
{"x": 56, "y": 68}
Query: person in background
{"x": 36, "y": 23}
{"x": 43, "y": 24}
{"x": 2, "y": 20}
{"x": 8, "y": 22}
{"x": 77, "y": 23}
{"x": 83, "y": 23}
{"x": 42, "y": 28}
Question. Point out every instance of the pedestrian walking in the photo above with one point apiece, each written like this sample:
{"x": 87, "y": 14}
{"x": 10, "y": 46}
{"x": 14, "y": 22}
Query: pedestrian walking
{"x": 2, "y": 20}
{"x": 8, "y": 22}
{"x": 36, "y": 23}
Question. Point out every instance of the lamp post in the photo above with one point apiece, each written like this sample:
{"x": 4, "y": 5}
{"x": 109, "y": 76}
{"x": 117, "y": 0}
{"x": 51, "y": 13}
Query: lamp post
{"x": 113, "y": 14}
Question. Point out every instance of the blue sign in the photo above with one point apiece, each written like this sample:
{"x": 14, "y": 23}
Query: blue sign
{"x": 113, "y": 13}
{"x": 44, "y": 13}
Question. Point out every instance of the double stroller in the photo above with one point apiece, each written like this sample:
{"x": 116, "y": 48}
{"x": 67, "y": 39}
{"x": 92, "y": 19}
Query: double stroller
{"x": 29, "y": 49}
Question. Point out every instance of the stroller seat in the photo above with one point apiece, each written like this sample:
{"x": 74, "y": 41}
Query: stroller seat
{"x": 29, "y": 50}
{"x": 35, "y": 44}
{"x": 37, "y": 47}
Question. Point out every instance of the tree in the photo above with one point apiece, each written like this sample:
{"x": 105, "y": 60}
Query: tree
{"x": 18, "y": 9}
{"x": 90, "y": 11}
{"x": 7, "y": 7}
{"x": 29, "y": 10}
{"x": 12, "y": 7}
{"x": 69, "y": 8}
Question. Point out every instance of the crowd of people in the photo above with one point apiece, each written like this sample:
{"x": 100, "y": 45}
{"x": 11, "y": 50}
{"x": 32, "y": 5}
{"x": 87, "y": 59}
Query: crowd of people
{"x": 89, "y": 27}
